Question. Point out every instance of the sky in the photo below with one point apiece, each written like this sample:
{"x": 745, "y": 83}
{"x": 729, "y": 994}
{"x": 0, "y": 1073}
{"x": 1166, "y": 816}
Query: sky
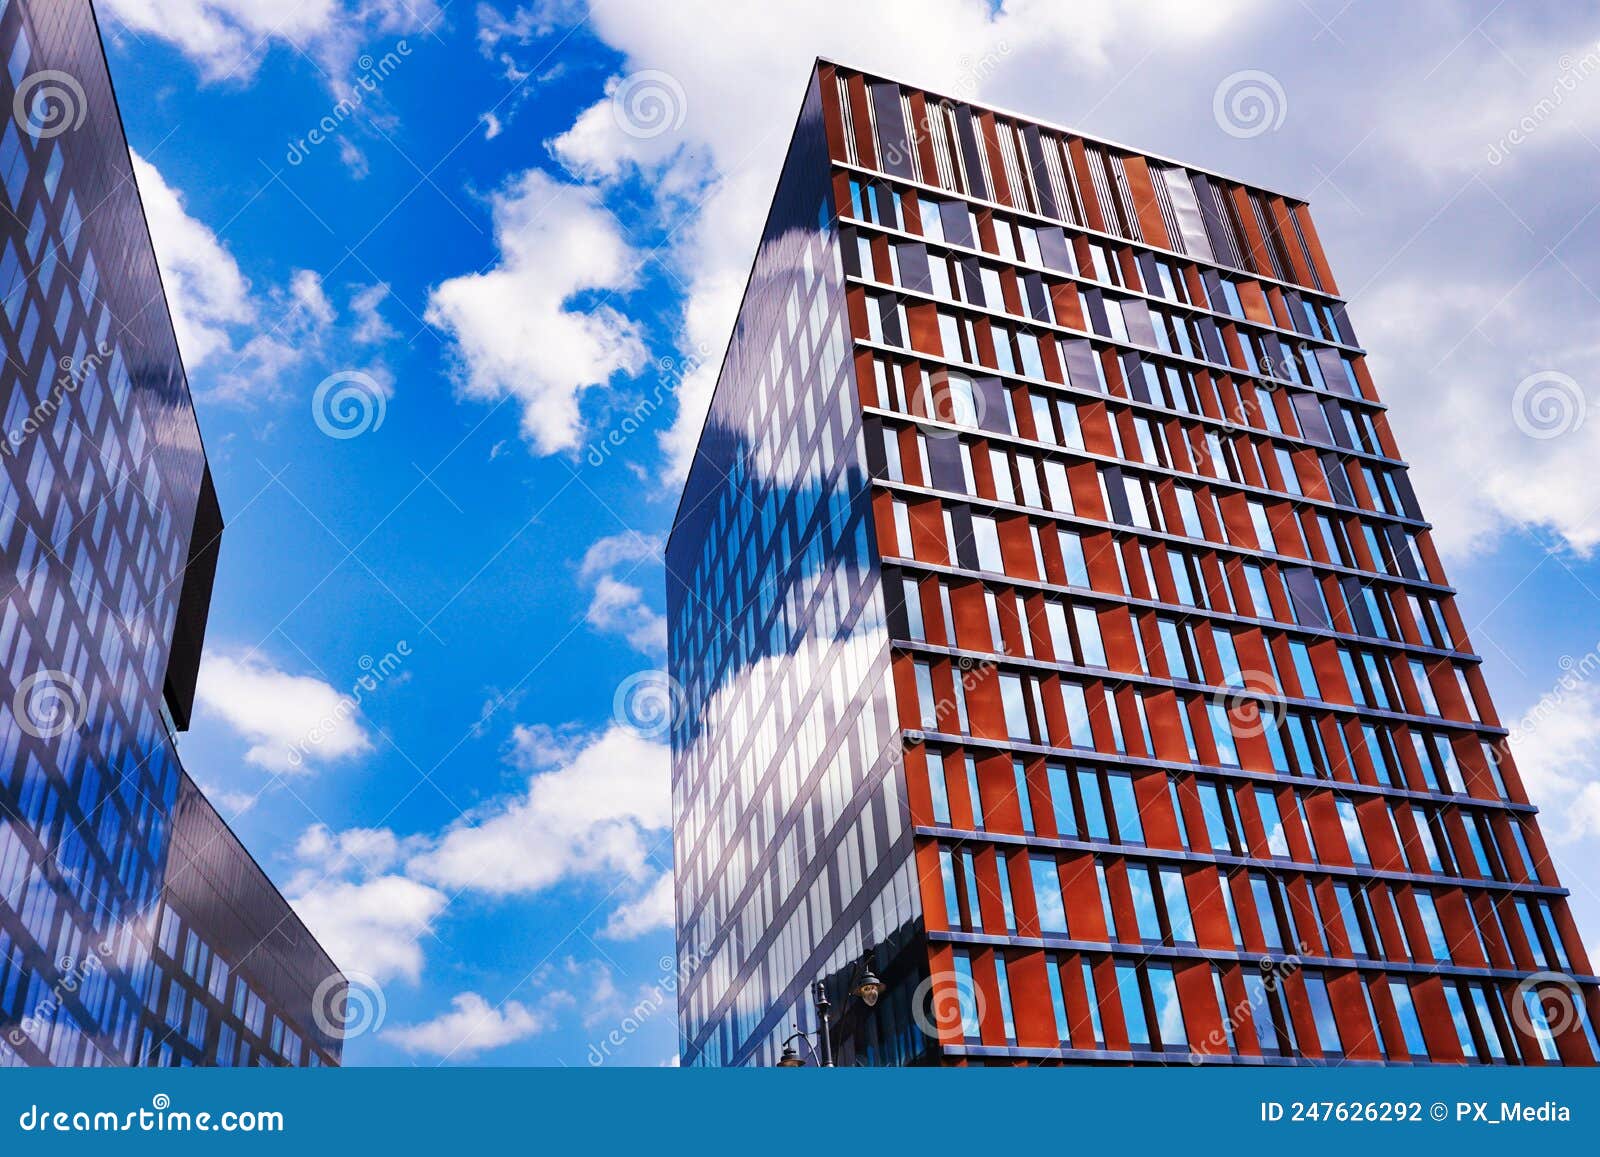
{"x": 452, "y": 283}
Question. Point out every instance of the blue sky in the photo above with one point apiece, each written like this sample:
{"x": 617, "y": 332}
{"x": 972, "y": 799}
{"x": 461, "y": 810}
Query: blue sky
{"x": 405, "y": 337}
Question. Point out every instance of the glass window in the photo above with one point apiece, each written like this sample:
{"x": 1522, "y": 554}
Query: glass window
{"x": 1133, "y": 1006}
{"x": 1125, "y": 805}
{"x": 1437, "y": 944}
{"x": 986, "y": 537}
{"x": 1168, "y": 1008}
{"x": 1322, "y": 1013}
{"x": 1272, "y": 822}
{"x": 1177, "y": 899}
{"x": 936, "y": 788}
{"x": 1351, "y": 826}
{"x": 1093, "y": 809}
{"x": 1016, "y": 709}
{"x": 1058, "y": 1001}
{"x": 1144, "y": 904}
{"x": 1047, "y": 895}
{"x": 1410, "y": 1026}
{"x": 1079, "y": 733}
{"x": 966, "y": 994}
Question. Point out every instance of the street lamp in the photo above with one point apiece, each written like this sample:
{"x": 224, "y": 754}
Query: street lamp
{"x": 864, "y": 986}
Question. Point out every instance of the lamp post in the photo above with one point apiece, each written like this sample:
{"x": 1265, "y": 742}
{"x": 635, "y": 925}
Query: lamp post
{"x": 864, "y": 986}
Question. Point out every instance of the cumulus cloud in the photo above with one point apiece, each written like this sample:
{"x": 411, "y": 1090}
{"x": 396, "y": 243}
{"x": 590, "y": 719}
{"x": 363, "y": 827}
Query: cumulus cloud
{"x": 652, "y": 911}
{"x": 206, "y": 292}
{"x": 1555, "y": 745}
{"x": 472, "y": 1026}
{"x": 1494, "y": 418}
{"x": 229, "y": 351}
{"x": 227, "y": 39}
{"x": 598, "y": 815}
{"x": 292, "y": 723}
{"x": 729, "y": 95}
{"x": 530, "y": 328}
{"x": 374, "y": 926}
{"x": 593, "y": 809}
{"x": 617, "y": 605}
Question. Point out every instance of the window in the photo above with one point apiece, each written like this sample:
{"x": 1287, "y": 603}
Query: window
{"x": 1167, "y": 1007}
{"x": 1016, "y": 708}
{"x": 1024, "y": 803}
{"x": 1437, "y": 944}
{"x": 1272, "y": 822}
{"x": 1079, "y": 733}
{"x": 1058, "y": 1001}
{"x": 1177, "y": 903}
{"x": 966, "y": 995}
{"x": 1351, "y": 826}
{"x": 1125, "y": 807}
{"x": 986, "y": 538}
{"x": 1322, "y": 1014}
{"x": 1144, "y": 904}
{"x": 936, "y": 788}
{"x": 1047, "y": 895}
{"x": 1003, "y": 983}
{"x": 1410, "y": 1026}
{"x": 1094, "y": 812}
{"x": 1133, "y": 1008}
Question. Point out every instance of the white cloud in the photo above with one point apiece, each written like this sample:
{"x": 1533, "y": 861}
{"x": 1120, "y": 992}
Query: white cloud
{"x": 374, "y": 926}
{"x": 1555, "y": 745}
{"x": 599, "y": 815}
{"x": 228, "y": 350}
{"x": 616, "y": 605}
{"x": 206, "y": 292}
{"x": 226, "y": 39}
{"x": 369, "y": 850}
{"x": 736, "y": 84}
{"x": 366, "y": 303}
{"x": 290, "y": 721}
{"x": 620, "y": 608}
{"x": 593, "y": 809}
{"x": 517, "y": 328}
{"x": 472, "y": 1026}
{"x": 308, "y": 296}
{"x": 1452, "y": 354}
{"x": 652, "y": 911}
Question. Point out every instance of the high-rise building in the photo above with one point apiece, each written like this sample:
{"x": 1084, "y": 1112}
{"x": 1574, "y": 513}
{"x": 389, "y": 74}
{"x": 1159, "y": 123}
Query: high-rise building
{"x": 134, "y": 928}
{"x": 1051, "y": 612}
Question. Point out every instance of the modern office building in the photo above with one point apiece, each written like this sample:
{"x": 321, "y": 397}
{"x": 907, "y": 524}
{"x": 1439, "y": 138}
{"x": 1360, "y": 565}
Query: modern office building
{"x": 134, "y": 928}
{"x": 1052, "y": 613}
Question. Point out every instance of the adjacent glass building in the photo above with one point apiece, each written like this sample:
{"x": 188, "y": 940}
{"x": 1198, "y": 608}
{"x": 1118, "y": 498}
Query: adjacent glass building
{"x": 134, "y": 928}
{"x": 1052, "y": 611}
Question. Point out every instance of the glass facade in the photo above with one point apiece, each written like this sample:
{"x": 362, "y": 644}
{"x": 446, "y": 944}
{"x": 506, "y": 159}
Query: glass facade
{"x": 126, "y": 906}
{"x": 1192, "y": 750}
